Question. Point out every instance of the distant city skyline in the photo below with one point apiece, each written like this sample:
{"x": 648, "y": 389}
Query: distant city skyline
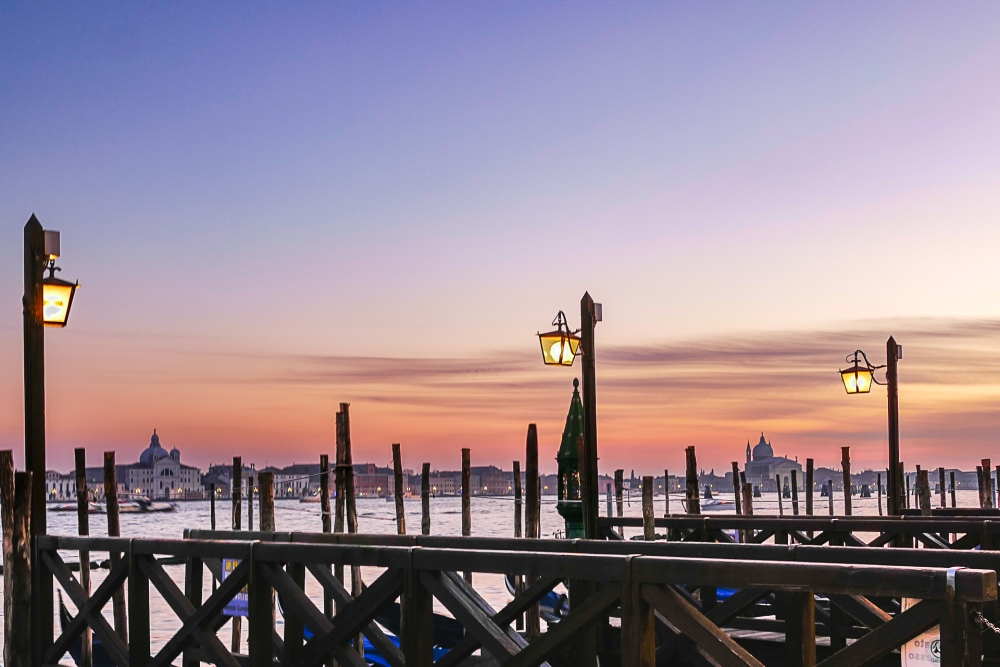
{"x": 272, "y": 210}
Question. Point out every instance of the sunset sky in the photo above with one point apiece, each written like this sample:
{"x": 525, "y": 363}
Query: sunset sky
{"x": 275, "y": 209}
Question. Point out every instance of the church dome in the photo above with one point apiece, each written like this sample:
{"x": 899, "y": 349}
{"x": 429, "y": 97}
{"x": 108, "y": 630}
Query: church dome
{"x": 762, "y": 450}
{"x": 154, "y": 452}
{"x": 175, "y": 454}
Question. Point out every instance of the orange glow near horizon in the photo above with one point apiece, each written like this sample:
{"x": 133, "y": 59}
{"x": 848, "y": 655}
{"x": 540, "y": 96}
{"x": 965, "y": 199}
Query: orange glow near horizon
{"x": 652, "y": 402}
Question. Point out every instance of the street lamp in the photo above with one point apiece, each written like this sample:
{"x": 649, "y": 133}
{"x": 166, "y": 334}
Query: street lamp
{"x": 560, "y": 348}
{"x": 858, "y": 379}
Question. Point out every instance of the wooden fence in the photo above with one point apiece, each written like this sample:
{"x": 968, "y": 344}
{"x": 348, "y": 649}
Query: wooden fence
{"x": 650, "y": 595}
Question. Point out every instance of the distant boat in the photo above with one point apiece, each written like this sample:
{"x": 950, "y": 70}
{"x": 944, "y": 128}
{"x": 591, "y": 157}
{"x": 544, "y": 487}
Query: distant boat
{"x": 711, "y": 504}
{"x": 309, "y": 499}
{"x": 133, "y": 505}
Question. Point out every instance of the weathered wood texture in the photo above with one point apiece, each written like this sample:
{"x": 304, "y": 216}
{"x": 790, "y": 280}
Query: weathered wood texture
{"x": 648, "y": 529}
{"x": 83, "y": 528}
{"x": 397, "y": 488}
{"x": 845, "y": 462}
{"x": 266, "y": 493}
{"x": 425, "y": 499}
{"x": 114, "y": 530}
{"x": 693, "y": 493}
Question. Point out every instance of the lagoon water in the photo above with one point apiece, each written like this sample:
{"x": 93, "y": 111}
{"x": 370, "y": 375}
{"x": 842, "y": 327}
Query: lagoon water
{"x": 491, "y": 516}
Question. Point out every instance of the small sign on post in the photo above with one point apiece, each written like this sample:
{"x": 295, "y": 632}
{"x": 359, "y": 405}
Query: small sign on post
{"x": 239, "y": 605}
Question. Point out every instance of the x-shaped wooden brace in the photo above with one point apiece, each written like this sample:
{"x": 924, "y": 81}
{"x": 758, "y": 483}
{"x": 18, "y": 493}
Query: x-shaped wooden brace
{"x": 372, "y": 631}
{"x": 503, "y": 618}
{"x": 90, "y": 610}
{"x": 580, "y": 617}
{"x": 354, "y": 616}
{"x": 197, "y": 622}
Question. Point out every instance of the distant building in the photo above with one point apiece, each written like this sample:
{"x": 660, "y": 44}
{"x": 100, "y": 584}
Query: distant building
{"x": 762, "y": 466}
{"x": 160, "y": 474}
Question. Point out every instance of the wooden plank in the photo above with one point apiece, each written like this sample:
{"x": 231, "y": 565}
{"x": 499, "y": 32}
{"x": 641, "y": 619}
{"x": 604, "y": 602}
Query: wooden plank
{"x": 800, "y": 629}
{"x": 727, "y": 610}
{"x": 138, "y": 614}
{"x": 476, "y": 622}
{"x": 861, "y": 609}
{"x": 194, "y": 572}
{"x": 484, "y": 606}
{"x": 594, "y": 609}
{"x": 260, "y": 603}
{"x": 638, "y": 627}
{"x": 712, "y": 641}
{"x": 887, "y": 638}
{"x": 417, "y": 621}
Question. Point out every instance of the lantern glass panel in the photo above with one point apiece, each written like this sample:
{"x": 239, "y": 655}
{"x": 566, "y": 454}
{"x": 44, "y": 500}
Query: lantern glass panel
{"x": 57, "y": 296}
{"x": 857, "y": 380}
{"x": 559, "y": 348}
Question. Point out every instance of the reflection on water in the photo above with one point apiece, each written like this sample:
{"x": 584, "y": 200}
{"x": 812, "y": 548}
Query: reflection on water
{"x": 492, "y": 517}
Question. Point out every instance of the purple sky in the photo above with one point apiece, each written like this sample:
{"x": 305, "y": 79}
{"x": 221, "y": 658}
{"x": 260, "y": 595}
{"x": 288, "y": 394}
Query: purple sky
{"x": 243, "y": 190}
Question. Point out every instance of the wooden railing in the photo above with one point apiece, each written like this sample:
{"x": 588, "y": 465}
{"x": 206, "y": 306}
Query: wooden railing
{"x": 651, "y": 594}
{"x": 930, "y": 532}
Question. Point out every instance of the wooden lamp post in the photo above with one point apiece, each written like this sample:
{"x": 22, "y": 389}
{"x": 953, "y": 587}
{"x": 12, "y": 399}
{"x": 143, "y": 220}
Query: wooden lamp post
{"x": 560, "y": 348}
{"x": 858, "y": 379}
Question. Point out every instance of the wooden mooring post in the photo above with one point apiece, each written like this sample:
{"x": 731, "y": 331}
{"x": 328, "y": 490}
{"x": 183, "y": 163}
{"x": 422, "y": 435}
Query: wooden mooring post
{"x": 878, "y": 490}
{"x": 648, "y": 530}
{"x": 829, "y": 495}
{"x": 610, "y": 499}
{"x": 519, "y": 578}
{"x": 236, "y": 496}
{"x": 115, "y": 530}
{"x": 795, "y": 492}
{"x": 425, "y": 499}
{"x": 83, "y": 529}
{"x": 666, "y": 492}
{"x": 810, "y": 483}
{"x": 736, "y": 488}
{"x": 924, "y": 487}
{"x": 781, "y": 505}
{"x": 988, "y": 494}
{"x": 397, "y": 488}
{"x": 619, "y": 491}
{"x": 467, "y": 498}
{"x": 350, "y": 504}
{"x": 15, "y": 507}
{"x": 845, "y": 462}
{"x": 693, "y": 494}
{"x": 532, "y": 528}
{"x": 251, "y": 485}
{"x": 326, "y": 521}
{"x": 517, "y": 498}
{"x": 952, "y": 488}
{"x": 266, "y": 494}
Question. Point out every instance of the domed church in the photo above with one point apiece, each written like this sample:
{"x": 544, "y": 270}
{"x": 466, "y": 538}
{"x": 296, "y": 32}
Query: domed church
{"x": 762, "y": 466}
{"x": 160, "y": 474}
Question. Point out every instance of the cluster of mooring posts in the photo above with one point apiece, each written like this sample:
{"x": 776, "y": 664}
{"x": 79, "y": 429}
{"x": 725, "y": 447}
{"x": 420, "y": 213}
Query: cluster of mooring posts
{"x": 696, "y": 590}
